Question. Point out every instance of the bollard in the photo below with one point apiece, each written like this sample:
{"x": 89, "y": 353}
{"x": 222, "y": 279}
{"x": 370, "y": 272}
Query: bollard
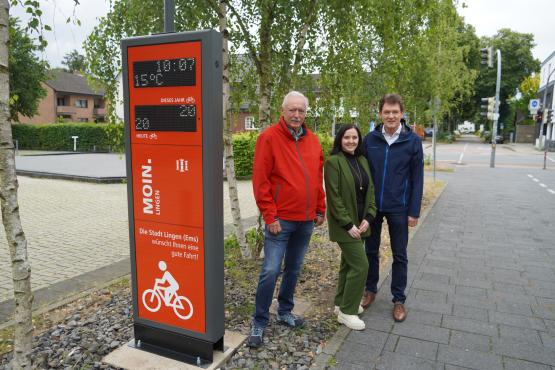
{"x": 75, "y": 142}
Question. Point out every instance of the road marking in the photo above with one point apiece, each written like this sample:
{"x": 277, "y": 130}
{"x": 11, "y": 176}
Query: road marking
{"x": 530, "y": 176}
{"x": 551, "y": 191}
{"x": 462, "y": 154}
{"x": 536, "y": 180}
{"x": 543, "y": 185}
{"x": 551, "y": 159}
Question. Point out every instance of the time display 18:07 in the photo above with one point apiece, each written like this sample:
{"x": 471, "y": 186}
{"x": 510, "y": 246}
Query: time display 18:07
{"x": 165, "y": 72}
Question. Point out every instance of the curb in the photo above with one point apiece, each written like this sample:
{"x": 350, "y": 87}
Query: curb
{"x": 333, "y": 345}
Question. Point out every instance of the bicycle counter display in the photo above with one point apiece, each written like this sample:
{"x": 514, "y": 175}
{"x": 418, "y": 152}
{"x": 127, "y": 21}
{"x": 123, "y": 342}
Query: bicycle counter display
{"x": 173, "y": 131}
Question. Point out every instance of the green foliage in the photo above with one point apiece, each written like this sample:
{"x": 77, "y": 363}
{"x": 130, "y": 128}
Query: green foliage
{"x": 27, "y": 73}
{"x": 243, "y": 153}
{"x": 517, "y": 64}
{"x": 74, "y": 62}
{"x": 58, "y": 136}
{"x": 326, "y": 141}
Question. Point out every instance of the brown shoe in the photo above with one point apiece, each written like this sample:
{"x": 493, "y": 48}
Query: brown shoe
{"x": 367, "y": 299}
{"x": 399, "y": 312}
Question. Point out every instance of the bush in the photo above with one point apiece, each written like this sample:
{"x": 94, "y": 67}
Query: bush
{"x": 243, "y": 153}
{"x": 57, "y": 136}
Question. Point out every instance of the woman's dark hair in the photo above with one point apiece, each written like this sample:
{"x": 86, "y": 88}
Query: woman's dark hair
{"x": 339, "y": 136}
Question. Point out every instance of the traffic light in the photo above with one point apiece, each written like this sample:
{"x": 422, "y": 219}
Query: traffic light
{"x": 489, "y": 108}
{"x": 487, "y": 56}
{"x": 549, "y": 116}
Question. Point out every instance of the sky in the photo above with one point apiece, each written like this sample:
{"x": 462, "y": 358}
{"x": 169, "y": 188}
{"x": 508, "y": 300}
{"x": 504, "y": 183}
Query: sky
{"x": 487, "y": 16}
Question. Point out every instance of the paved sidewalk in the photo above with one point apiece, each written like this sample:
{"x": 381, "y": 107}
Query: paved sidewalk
{"x": 481, "y": 282}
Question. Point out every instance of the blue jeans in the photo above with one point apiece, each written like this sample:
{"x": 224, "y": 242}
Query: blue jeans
{"x": 290, "y": 246}
{"x": 399, "y": 235}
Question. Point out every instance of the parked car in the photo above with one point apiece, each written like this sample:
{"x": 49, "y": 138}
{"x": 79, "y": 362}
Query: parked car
{"x": 499, "y": 139}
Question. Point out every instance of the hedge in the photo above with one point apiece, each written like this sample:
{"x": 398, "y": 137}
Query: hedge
{"x": 243, "y": 151}
{"x": 57, "y": 136}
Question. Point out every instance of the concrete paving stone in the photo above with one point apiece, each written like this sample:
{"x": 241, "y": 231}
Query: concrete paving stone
{"x": 540, "y": 284}
{"x": 471, "y": 262}
{"x": 514, "y": 364}
{"x": 417, "y": 348}
{"x": 515, "y": 308}
{"x": 436, "y": 278}
{"x": 520, "y": 321}
{"x": 368, "y": 337}
{"x": 342, "y": 365}
{"x": 467, "y": 358}
{"x": 513, "y": 333}
{"x": 469, "y": 325}
{"x": 429, "y": 296}
{"x": 509, "y": 287}
{"x": 504, "y": 274}
{"x": 454, "y": 367}
{"x": 358, "y": 354}
{"x": 433, "y": 286}
{"x": 544, "y": 309}
{"x": 506, "y": 264}
{"x": 391, "y": 343}
{"x": 469, "y": 312}
{"x": 497, "y": 296}
{"x": 438, "y": 271}
{"x": 441, "y": 308}
{"x": 464, "y": 274}
{"x": 544, "y": 293}
{"x": 420, "y": 331}
{"x": 439, "y": 253}
{"x": 550, "y": 324}
{"x": 535, "y": 262}
{"x": 470, "y": 341}
{"x": 443, "y": 262}
{"x": 473, "y": 302}
{"x": 397, "y": 361}
{"x": 539, "y": 274}
{"x": 423, "y": 317}
{"x": 378, "y": 323}
{"x": 470, "y": 291}
{"x": 524, "y": 351}
{"x": 548, "y": 339}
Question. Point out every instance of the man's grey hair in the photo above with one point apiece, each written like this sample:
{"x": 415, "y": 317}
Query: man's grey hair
{"x": 292, "y": 94}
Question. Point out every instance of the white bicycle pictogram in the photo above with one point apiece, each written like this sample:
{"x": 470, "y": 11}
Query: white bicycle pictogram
{"x": 153, "y": 298}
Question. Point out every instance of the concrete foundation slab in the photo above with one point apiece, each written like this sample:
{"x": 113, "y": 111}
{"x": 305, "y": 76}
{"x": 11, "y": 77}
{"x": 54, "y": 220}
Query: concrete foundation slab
{"x": 127, "y": 357}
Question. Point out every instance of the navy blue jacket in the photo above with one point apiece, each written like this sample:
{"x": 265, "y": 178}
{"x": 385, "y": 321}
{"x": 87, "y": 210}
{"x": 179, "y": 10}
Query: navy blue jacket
{"x": 397, "y": 171}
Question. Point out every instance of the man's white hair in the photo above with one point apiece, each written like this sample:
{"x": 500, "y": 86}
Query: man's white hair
{"x": 292, "y": 94}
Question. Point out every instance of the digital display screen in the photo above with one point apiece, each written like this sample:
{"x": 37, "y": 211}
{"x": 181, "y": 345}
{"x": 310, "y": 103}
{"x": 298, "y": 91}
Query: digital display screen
{"x": 165, "y": 72}
{"x": 166, "y": 118}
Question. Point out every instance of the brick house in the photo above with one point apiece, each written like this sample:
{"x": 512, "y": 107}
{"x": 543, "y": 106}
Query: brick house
{"x": 70, "y": 98}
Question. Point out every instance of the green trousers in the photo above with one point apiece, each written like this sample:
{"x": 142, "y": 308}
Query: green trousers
{"x": 352, "y": 276}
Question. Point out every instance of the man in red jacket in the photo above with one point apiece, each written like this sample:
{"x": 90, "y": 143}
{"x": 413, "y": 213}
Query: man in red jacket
{"x": 287, "y": 182}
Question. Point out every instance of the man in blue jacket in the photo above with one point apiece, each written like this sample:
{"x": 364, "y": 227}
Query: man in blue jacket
{"x": 396, "y": 161}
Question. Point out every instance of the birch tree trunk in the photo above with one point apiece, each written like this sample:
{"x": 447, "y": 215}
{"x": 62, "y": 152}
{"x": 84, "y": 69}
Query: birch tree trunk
{"x": 21, "y": 269}
{"x": 228, "y": 142}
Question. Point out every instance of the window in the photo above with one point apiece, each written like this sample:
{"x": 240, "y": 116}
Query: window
{"x": 81, "y": 103}
{"x": 60, "y": 102}
{"x": 249, "y": 123}
{"x": 83, "y": 120}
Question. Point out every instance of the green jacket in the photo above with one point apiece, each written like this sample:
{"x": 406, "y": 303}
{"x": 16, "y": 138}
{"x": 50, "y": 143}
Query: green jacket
{"x": 341, "y": 197}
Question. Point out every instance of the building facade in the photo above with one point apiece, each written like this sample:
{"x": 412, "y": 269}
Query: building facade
{"x": 68, "y": 98}
{"x": 546, "y": 131}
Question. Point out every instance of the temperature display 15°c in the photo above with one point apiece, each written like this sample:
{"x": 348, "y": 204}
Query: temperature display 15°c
{"x": 165, "y": 72}
{"x": 166, "y": 118}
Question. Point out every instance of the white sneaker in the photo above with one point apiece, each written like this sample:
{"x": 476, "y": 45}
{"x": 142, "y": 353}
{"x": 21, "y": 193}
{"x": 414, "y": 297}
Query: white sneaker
{"x": 351, "y": 321}
{"x": 336, "y": 310}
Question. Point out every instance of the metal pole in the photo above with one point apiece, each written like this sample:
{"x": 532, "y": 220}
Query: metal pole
{"x": 169, "y": 15}
{"x": 544, "y": 120}
{"x": 434, "y": 131}
{"x": 496, "y": 111}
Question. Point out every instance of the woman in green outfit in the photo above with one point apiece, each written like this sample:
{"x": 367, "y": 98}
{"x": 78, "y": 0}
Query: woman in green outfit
{"x": 350, "y": 209}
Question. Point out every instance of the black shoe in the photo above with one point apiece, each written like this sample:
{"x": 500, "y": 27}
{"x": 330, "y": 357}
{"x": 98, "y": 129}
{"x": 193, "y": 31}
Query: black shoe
{"x": 256, "y": 338}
